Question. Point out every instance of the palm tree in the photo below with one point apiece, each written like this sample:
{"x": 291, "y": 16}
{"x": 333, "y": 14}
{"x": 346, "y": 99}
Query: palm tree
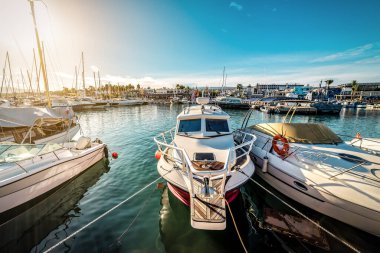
{"x": 354, "y": 87}
{"x": 239, "y": 87}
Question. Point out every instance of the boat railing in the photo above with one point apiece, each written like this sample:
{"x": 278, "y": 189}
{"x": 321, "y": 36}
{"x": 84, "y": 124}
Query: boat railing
{"x": 181, "y": 159}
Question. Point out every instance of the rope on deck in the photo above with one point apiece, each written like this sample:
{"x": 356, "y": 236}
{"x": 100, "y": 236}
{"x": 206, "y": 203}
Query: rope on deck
{"x": 236, "y": 228}
{"x": 347, "y": 244}
{"x": 105, "y": 213}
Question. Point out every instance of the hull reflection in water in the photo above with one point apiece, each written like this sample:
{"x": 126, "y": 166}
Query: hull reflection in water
{"x": 177, "y": 235}
{"x": 28, "y": 228}
{"x": 299, "y": 235}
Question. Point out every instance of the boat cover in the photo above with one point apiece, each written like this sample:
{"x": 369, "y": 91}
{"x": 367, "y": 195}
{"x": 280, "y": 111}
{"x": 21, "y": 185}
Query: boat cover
{"x": 310, "y": 133}
{"x": 27, "y": 116}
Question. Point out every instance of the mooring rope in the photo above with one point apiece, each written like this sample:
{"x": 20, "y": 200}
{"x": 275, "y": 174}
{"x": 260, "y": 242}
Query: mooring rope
{"x": 105, "y": 213}
{"x": 303, "y": 215}
{"x": 236, "y": 228}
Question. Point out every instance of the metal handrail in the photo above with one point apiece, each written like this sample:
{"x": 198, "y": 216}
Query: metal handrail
{"x": 185, "y": 157}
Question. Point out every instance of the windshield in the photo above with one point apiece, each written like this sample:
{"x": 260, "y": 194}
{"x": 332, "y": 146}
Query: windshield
{"x": 216, "y": 125}
{"x": 190, "y": 125}
{"x": 15, "y": 153}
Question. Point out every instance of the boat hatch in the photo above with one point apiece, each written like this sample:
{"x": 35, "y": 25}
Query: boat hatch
{"x": 204, "y": 157}
{"x": 353, "y": 158}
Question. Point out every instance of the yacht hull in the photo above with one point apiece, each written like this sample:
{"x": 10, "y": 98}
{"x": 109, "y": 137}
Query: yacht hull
{"x": 184, "y": 195}
{"x": 47, "y": 177}
{"x": 345, "y": 211}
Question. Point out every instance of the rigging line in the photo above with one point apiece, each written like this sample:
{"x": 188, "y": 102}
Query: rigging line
{"x": 120, "y": 238}
{"x": 105, "y": 213}
{"x": 53, "y": 67}
{"x": 236, "y": 228}
{"x": 59, "y": 65}
{"x": 303, "y": 215}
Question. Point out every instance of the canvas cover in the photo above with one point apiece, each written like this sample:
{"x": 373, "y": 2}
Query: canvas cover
{"x": 26, "y": 116}
{"x": 310, "y": 133}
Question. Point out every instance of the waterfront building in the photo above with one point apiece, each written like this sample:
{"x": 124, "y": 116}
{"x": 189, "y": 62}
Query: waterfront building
{"x": 362, "y": 91}
{"x": 272, "y": 89}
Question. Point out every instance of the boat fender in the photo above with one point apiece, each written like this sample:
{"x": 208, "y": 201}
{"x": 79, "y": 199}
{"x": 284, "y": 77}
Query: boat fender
{"x": 157, "y": 155}
{"x": 285, "y": 145}
{"x": 265, "y": 164}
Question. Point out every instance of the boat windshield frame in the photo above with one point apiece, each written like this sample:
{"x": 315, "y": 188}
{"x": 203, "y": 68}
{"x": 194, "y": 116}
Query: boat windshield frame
{"x": 13, "y": 153}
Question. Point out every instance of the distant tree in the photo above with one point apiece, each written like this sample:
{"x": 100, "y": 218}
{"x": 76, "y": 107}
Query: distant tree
{"x": 354, "y": 87}
{"x": 138, "y": 86}
{"x": 239, "y": 87}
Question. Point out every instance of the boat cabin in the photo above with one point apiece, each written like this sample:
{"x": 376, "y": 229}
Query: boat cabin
{"x": 203, "y": 121}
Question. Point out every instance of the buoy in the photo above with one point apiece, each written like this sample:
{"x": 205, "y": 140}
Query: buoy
{"x": 115, "y": 155}
{"x": 157, "y": 154}
{"x": 265, "y": 164}
{"x": 358, "y": 136}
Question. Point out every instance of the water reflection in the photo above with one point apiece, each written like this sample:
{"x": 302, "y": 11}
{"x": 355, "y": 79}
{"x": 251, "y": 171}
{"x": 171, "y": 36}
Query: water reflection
{"x": 28, "y": 228}
{"x": 262, "y": 207}
{"x": 177, "y": 235}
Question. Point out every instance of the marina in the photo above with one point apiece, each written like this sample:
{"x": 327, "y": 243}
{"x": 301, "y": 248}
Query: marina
{"x": 155, "y": 216}
{"x": 146, "y": 148}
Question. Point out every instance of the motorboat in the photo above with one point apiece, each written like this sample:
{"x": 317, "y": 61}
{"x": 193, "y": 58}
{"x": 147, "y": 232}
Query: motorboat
{"x": 5, "y": 103}
{"x": 28, "y": 171}
{"x": 310, "y": 164}
{"x": 184, "y": 100}
{"x": 126, "y": 102}
{"x": 294, "y": 106}
{"x": 46, "y": 214}
{"x": 201, "y": 163}
{"x": 324, "y": 107}
{"x": 232, "y": 103}
{"x": 36, "y": 125}
{"x": 79, "y": 104}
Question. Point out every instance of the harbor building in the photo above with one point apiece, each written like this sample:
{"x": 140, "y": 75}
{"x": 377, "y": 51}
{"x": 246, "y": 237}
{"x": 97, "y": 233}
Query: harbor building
{"x": 362, "y": 90}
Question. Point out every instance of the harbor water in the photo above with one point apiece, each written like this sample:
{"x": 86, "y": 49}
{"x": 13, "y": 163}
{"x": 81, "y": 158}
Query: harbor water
{"x": 154, "y": 221}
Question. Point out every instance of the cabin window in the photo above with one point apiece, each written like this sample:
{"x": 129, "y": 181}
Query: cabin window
{"x": 216, "y": 125}
{"x": 190, "y": 125}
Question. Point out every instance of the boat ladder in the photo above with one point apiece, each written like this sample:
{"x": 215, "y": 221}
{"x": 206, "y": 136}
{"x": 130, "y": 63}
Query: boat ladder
{"x": 207, "y": 205}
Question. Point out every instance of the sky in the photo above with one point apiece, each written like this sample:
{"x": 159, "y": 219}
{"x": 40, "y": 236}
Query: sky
{"x": 160, "y": 43}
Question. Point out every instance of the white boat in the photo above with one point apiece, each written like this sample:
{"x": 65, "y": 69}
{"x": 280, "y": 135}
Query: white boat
{"x": 30, "y": 171}
{"x": 184, "y": 100}
{"x": 311, "y": 165}
{"x": 79, "y": 104}
{"x": 37, "y": 125}
{"x": 201, "y": 163}
{"x": 126, "y": 102}
{"x": 5, "y": 103}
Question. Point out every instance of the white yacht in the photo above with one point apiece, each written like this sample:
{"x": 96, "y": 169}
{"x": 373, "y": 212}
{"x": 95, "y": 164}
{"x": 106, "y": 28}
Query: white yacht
{"x": 30, "y": 171}
{"x": 312, "y": 165}
{"x": 201, "y": 163}
{"x": 126, "y": 102}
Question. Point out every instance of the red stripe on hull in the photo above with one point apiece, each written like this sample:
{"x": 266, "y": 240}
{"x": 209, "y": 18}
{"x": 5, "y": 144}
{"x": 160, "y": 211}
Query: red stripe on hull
{"x": 184, "y": 196}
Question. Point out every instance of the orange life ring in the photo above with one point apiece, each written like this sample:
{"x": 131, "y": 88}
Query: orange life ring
{"x": 285, "y": 144}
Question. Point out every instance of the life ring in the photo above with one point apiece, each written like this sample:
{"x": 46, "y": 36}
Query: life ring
{"x": 285, "y": 144}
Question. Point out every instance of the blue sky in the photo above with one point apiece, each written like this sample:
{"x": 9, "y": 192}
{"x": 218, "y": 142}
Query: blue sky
{"x": 164, "y": 42}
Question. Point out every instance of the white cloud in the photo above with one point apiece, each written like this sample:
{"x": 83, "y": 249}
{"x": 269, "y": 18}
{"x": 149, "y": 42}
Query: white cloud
{"x": 345, "y": 54}
{"x": 374, "y": 59}
{"x": 236, "y": 6}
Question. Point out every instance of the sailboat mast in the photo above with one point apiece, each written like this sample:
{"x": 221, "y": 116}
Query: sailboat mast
{"x": 84, "y": 83}
{"x": 99, "y": 84}
{"x": 42, "y": 61}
